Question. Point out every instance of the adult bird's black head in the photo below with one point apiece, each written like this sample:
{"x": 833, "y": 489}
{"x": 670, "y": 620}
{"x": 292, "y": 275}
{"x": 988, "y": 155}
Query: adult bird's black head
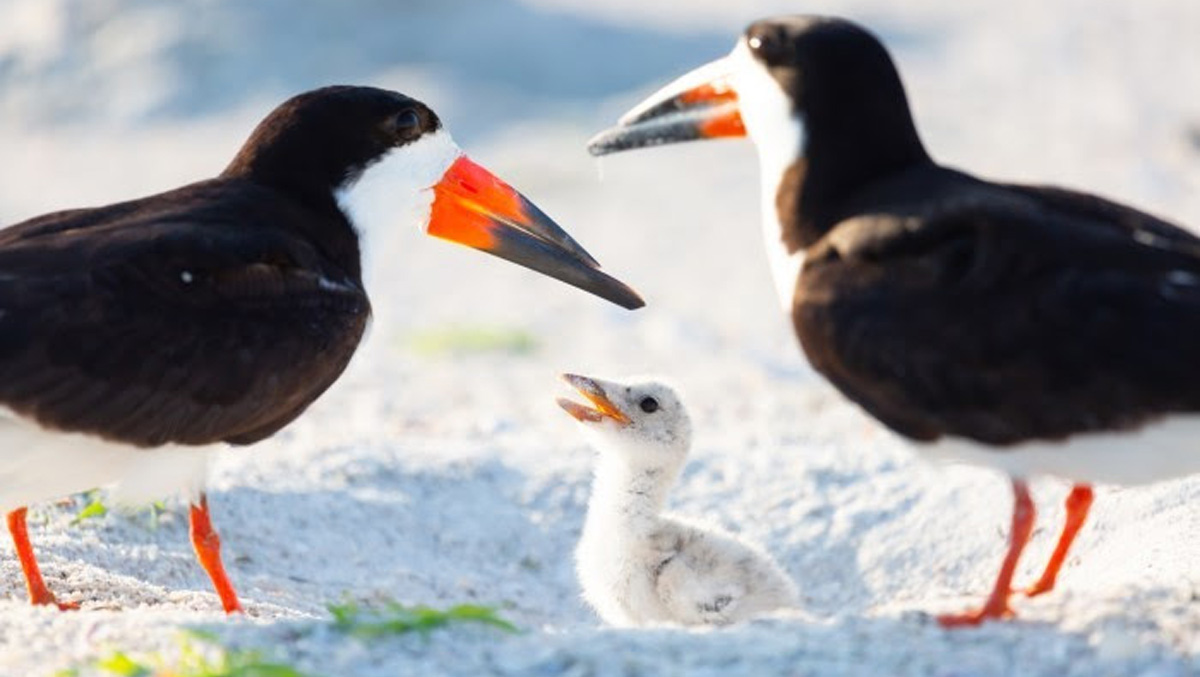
{"x": 819, "y": 97}
{"x": 317, "y": 145}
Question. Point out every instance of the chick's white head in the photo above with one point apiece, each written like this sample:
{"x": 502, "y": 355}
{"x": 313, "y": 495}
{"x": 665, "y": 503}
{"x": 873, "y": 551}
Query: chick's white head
{"x": 641, "y": 421}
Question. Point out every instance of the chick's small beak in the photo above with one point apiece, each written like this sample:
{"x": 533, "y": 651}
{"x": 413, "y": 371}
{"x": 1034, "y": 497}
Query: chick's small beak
{"x": 473, "y": 207}
{"x": 592, "y": 389}
{"x": 700, "y": 105}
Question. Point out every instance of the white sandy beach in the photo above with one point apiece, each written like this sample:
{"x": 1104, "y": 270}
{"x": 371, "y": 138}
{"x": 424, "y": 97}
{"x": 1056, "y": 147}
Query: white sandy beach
{"x": 439, "y": 477}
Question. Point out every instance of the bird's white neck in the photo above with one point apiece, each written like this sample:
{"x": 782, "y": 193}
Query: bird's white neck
{"x": 777, "y": 152}
{"x": 628, "y": 500}
{"x": 778, "y": 133}
{"x": 785, "y": 266}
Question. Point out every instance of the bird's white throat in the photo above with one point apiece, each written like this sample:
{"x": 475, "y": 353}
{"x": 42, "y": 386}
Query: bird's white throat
{"x": 395, "y": 195}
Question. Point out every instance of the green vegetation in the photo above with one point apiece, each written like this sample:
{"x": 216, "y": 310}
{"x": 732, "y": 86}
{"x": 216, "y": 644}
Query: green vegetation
{"x": 198, "y": 656}
{"x": 396, "y": 619}
{"x": 458, "y": 340}
{"x": 95, "y": 507}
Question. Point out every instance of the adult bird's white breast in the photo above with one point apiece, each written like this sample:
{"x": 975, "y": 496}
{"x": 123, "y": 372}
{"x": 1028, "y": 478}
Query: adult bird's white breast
{"x": 38, "y": 465}
{"x": 1157, "y": 452}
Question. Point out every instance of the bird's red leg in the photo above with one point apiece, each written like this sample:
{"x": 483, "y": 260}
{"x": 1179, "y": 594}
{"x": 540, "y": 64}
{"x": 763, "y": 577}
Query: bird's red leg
{"x": 996, "y": 605}
{"x": 208, "y": 551}
{"x": 39, "y": 594}
{"x": 1079, "y": 501}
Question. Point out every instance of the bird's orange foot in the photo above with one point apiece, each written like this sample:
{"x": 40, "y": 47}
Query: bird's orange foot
{"x": 996, "y": 607}
{"x": 208, "y": 551}
{"x": 1040, "y": 588}
{"x": 47, "y": 598}
{"x": 988, "y": 612}
{"x": 1079, "y": 502}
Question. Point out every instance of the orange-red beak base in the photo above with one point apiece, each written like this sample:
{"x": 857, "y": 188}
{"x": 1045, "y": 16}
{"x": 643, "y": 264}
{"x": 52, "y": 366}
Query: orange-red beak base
{"x": 472, "y": 207}
{"x": 708, "y": 110}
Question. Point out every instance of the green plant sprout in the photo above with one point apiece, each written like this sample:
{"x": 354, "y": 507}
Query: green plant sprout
{"x": 94, "y": 507}
{"x": 458, "y": 340}
{"x": 393, "y": 618}
{"x": 199, "y": 656}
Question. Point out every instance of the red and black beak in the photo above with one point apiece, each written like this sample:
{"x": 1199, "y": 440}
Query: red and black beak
{"x": 700, "y": 105}
{"x": 474, "y": 208}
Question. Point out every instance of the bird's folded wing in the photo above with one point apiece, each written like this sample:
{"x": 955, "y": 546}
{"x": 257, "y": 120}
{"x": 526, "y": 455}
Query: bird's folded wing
{"x": 1107, "y": 214}
{"x": 171, "y": 331}
{"x": 1005, "y": 323}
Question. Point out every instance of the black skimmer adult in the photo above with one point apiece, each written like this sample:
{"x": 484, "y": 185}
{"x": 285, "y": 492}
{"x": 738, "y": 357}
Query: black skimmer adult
{"x": 1032, "y": 329}
{"x": 135, "y": 337}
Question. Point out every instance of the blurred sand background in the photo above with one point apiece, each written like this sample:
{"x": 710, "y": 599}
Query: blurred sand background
{"x": 432, "y": 475}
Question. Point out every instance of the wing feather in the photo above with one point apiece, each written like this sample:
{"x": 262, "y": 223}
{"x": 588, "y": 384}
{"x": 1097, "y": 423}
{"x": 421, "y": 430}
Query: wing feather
{"x": 1007, "y": 320}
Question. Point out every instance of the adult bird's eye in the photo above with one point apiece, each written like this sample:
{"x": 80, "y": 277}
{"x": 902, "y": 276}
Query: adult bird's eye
{"x": 407, "y": 123}
{"x": 648, "y": 405}
{"x": 767, "y": 45}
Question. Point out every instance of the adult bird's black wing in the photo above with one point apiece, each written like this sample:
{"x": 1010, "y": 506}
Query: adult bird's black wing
{"x": 190, "y": 317}
{"x": 1017, "y": 314}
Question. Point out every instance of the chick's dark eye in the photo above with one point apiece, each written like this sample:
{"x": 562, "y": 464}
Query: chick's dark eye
{"x": 648, "y": 405}
{"x": 406, "y": 123}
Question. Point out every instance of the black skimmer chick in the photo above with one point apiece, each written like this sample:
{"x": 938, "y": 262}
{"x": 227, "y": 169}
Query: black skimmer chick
{"x": 135, "y": 337}
{"x": 1032, "y": 329}
{"x": 636, "y": 565}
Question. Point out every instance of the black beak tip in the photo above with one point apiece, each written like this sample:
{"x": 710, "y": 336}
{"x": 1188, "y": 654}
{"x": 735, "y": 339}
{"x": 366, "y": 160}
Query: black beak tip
{"x": 633, "y": 136}
{"x": 635, "y": 301}
{"x": 620, "y": 138}
{"x": 625, "y": 297}
{"x": 602, "y": 143}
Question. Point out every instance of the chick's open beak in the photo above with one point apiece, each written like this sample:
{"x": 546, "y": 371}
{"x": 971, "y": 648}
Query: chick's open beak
{"x": 472, "y": 207}
{"x": 700, "y": 105}
{"x": 592, "y": 389}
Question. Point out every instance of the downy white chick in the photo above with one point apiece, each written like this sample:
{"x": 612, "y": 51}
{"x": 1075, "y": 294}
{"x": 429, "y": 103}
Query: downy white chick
{"x": 636, "y": 565}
